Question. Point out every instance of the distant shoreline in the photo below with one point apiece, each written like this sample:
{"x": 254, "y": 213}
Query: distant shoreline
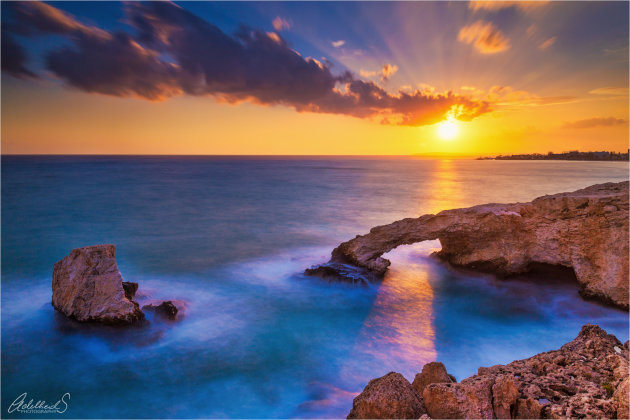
{"x": 573, "y": 155}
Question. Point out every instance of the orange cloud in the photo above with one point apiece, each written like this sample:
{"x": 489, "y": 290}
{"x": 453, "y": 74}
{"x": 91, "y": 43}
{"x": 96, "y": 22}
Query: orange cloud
{"x": 387, "y": 71}
{"x": 252, "y": 65}
{"x": 595, "y": 122}
{"x": 485, "y": 37}
{"x": 338, "y": 44}
{"x": 280, "y": 24}
{"x": 498, "y": 5}
{"x": 547, "y": 43}
{"x": 614, "y": 91}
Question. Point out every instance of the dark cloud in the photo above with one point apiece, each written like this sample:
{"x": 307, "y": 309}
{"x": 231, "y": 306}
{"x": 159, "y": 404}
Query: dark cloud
{"x": 13, "y": 56}
{"x": 174, "y": 52}
{"x": 595, "y": 122}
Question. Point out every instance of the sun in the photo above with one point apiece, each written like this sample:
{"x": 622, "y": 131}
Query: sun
{"x": 447, "y": 130}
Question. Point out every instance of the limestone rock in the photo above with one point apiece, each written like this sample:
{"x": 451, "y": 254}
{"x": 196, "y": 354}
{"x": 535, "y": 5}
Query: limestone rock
{"x": 388, "y": 397}
{"x": 87, "y": 286}
{"x": 432, "y": 373}
{"x": 585, "y": 378}
{"x": 584, "y": 230}
{"x": 472, "y": 398}
{"x": 504, "y": 396}
{"x": 621, "y": 396}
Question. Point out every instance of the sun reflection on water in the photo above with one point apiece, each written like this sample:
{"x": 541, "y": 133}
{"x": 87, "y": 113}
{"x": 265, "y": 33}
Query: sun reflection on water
{"x": 398, "y": 332}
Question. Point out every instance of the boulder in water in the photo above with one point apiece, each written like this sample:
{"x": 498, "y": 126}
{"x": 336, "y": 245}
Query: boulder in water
{"x": 88, "y": 287}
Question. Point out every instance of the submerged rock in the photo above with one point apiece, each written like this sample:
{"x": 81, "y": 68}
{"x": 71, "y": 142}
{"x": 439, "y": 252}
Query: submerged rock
{"x": 165, "y": 309}
{"x": 585, "y": 378}
{"x": 342, "y": 272}
{"x": 584, "y": 230}
{"x": 388, "y": 397}
{"x": 87, "y": 286}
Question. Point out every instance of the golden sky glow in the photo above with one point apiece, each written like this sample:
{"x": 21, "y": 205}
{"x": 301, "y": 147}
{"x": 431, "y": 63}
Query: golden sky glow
{"x": 540, "y": 96}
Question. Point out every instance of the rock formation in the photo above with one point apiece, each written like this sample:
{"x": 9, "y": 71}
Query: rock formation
{"x": 432, "y": 373}
{"x": 87, "y": 286}
{"x": 165, "y": 309}
{"x": 585, "y": 230}
{"x": 585, "y": 378}
{"x": 388, "y": 397}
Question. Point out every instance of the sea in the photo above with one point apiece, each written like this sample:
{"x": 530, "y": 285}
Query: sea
{"x": 229, "y": 238}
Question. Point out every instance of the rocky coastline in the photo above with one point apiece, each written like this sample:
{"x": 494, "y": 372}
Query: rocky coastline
{"x": 585, "y": 378}
{"x": 88, "y": 287}
{"x": 585, "y": 231}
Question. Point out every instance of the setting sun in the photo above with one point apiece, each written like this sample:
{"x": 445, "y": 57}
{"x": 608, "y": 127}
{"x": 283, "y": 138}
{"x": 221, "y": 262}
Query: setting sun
{"x": 447, "y": 130}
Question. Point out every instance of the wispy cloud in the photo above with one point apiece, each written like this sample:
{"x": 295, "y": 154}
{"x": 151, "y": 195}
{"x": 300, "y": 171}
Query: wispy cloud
{"x": 280, "y": 24}
{"x": 595, "y": 122}
{"x": 485, "y": 37}
{"x": 338, "y": 44}
{"x": 613, "y": 91}
{"x": 252, "y": 65}
{"x": 387, "y": 71}
{"x": 547, "y": 43}
{"x": 498, "y": 5}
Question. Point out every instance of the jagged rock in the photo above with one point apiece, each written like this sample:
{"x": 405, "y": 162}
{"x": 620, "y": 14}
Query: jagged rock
{"x": 504, "y": 396}
{"x": 432, "y": 373}
{"x": 165, "y": 309}
{"x": 388, "y": 397}
{"x": 620, "y": 396}
{"x": 472, "y": 398}
{"x": 130, "y": 289}
{"x": 87, "y": 286}
{"x": 342, "y": 272}
{"x": 584, "y": 230}
{"x": 585, "y": 378}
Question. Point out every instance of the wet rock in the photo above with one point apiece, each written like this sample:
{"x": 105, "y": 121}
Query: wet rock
{"x": 334, "y": 272}
{"x": 130, "y": 289}
{"x": 165, "y": 309}
{"x": 87, "y": 286}
{"x": 388, "y": 397}
{"x": 509, "y": 239}
{"x": 432, "y": 373}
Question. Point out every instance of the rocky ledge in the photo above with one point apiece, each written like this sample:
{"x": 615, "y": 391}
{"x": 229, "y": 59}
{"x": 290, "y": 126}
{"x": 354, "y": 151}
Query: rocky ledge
{"x": 88, "y": 287}
{"x": 586, "y": 378}
{"x": 584, "y": 230}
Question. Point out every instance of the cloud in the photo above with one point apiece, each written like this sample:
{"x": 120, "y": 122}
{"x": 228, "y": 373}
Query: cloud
{"x": 338, "y": 44}
{"x": 484, "y": 36}
{"x": 595, "y": 122}
{"x": 13, "y": 56}
{"x": 171, "y": 51}
{"x": 526, "y": 6}
{"x": 507, "y": 96}
{"x": 280, "y": 24}
{"x": 547, "y": 43}
{"x": 387, "y": 71}
{"x": 613, "y": 91}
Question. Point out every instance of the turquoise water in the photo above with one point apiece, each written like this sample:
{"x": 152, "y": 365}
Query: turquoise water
{"x": 230, "y": 238}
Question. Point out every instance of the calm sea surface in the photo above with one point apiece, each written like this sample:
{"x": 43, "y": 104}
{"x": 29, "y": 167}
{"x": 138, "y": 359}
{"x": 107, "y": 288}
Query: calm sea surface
{"x": 230, "y": 237}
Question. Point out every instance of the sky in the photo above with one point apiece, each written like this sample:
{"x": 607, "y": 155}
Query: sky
{"x": 314, "y": 78}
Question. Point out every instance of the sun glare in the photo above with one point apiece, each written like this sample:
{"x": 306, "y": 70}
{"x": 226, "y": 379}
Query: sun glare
{"x": 447, "y": 130}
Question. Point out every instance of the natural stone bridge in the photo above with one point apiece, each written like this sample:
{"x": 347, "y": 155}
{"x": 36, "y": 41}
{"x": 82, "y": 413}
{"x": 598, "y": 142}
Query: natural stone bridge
{"x": 586, "y": 230}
